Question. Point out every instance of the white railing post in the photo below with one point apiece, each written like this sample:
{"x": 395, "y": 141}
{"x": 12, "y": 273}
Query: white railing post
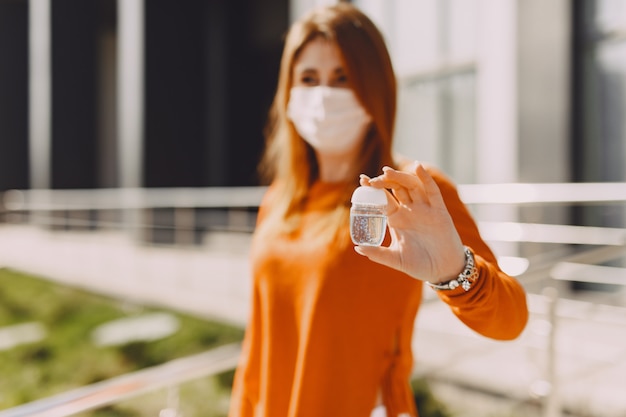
{"x": 552, "y": 406}
{"x": 173, "y": 403}
{"x": 184, "y": 226}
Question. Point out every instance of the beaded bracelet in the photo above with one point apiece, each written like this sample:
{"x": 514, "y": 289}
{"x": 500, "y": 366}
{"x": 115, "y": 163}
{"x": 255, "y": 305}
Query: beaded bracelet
{"x": 465, "y": 279}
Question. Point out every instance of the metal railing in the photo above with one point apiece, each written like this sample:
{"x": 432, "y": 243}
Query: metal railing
{"x": 112, "y": 391}
{"x": 607, "y": 244}
{"x": 131, "y": 198}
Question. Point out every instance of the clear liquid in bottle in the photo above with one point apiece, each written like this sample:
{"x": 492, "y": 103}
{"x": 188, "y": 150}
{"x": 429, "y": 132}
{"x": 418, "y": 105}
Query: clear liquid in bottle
{"x": 368, "y": 219}
{"x": 368, "y": 229}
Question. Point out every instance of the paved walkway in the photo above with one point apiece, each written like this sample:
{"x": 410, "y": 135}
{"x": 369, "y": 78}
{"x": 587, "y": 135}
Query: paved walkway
{"x": 212, "y": 281}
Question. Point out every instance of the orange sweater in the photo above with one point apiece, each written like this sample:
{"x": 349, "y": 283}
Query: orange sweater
{"x": 329, "y": 328}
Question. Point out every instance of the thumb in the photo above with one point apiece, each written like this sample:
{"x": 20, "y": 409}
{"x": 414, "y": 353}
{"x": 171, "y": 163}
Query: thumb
{"x": 378, "y": 254}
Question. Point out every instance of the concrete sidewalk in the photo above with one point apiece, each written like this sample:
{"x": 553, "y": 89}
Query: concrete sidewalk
{"x": 213, "y": 281}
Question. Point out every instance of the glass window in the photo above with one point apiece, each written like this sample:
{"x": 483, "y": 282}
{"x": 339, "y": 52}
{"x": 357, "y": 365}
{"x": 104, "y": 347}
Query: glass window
{"x": 432, "y": 43}
{"x": 599, "y": 98}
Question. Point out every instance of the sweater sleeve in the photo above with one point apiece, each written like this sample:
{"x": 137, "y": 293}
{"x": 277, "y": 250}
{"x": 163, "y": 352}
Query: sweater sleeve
{"x": 245, "y": 389}
{"x": 495, "y": 306}
{"x": 246, "y": 385}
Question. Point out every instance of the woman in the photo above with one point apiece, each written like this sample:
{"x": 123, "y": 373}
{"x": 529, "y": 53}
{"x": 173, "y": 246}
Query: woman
{"x": 330, "y": 331}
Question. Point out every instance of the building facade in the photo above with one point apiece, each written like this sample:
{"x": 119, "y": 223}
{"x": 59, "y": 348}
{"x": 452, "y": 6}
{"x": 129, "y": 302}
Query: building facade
{"x": 135, "y": 93}
{"x": 162, "y": 93}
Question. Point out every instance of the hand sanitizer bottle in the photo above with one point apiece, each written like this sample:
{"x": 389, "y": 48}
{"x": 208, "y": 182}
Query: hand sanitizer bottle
{"x": 368, "y": 218}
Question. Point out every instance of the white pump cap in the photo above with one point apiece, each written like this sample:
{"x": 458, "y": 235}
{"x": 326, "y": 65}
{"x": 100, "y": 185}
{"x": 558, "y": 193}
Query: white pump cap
{"x": 369, "y": 195}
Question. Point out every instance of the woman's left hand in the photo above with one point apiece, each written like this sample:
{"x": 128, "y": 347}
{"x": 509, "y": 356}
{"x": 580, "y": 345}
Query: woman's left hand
{"x": 424, "y": 241}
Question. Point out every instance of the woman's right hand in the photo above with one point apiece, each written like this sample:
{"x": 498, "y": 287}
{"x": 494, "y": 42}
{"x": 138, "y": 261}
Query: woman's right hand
{"x": 424, "y": 240}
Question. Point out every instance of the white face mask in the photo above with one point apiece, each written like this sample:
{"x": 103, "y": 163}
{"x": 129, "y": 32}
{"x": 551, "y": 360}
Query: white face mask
{"x": 330, "y": 119}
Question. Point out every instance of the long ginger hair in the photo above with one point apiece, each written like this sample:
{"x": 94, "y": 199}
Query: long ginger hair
{"x": 289, "y": 162}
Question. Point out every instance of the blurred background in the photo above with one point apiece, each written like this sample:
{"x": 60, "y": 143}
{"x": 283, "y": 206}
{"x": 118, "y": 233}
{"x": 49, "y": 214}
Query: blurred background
{"x": 130, "y": 132}
{"x": 106, "y": 93}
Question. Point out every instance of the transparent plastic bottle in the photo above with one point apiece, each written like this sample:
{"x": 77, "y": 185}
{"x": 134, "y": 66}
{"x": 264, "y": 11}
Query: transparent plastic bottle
{"x": 368, "y": 216}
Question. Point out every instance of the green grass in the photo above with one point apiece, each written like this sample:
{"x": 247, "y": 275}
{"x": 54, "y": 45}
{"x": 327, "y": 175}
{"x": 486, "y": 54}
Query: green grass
{"x": 427, "y": 404}
{"x": 66, "y": 358}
